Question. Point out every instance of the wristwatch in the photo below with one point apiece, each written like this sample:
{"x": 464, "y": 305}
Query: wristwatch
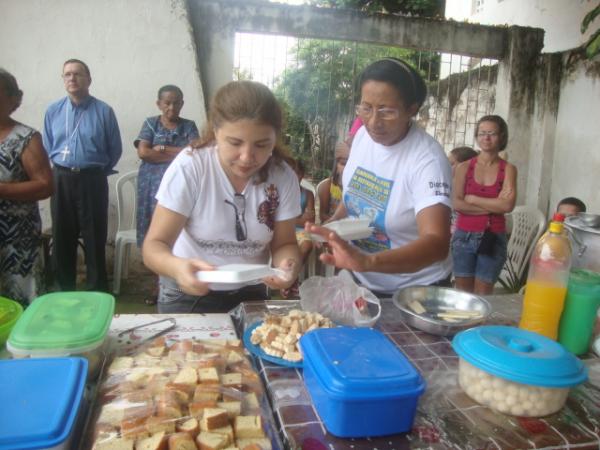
{"x": 162, "y": 148}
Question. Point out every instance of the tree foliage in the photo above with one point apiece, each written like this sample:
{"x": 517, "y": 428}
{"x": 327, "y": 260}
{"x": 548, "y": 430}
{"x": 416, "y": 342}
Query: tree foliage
{"x": 319, "y": 93}
{"x": 592, "y": 46}
{"x": 422, "y": 8}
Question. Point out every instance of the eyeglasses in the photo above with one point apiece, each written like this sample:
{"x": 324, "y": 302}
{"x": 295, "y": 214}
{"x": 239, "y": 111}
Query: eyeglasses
{"x": 66, "y": 76}
{"x": 487, "y": 133}
{"x": 239, "y": 206}
{"x": 366, "y": 112}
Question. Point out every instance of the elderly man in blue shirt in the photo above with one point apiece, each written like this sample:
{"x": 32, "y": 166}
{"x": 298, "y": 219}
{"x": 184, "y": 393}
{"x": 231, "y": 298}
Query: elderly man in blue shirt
{"x": 82, "y": 138}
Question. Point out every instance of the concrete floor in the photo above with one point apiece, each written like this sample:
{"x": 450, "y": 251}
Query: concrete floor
{"x": 134, "y": 290}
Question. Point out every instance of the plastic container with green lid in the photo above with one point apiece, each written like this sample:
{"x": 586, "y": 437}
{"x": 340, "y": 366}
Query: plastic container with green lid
{"x": 63, "y": 324}
{"x": 10, "y": 311}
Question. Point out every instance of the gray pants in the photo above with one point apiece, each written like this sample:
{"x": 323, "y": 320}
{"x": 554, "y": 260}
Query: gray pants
{"x": 172, "y": 300}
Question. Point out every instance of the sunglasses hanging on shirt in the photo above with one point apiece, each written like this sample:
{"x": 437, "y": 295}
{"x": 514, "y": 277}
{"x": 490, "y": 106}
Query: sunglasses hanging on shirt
{"x": 239, "y": 207}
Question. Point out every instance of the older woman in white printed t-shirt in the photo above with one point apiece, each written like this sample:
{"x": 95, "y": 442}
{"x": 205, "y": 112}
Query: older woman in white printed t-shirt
{"x": 399, "y": 177}
{"x": 232, "y": 199}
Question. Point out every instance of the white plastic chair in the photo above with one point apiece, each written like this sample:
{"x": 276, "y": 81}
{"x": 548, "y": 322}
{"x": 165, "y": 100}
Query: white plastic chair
{"x": 528, "y": 224}
{"x": 126, "y": 188}
{"x": 309, "y": 269}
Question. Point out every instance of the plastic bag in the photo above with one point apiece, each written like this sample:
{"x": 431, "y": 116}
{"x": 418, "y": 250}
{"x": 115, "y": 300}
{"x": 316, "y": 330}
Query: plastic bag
{"x": 340, "y": 299}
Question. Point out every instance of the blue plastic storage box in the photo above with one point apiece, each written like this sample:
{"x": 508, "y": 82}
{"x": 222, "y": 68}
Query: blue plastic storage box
{"x": 41, "y": 401}
{"x": 360, "y": 383}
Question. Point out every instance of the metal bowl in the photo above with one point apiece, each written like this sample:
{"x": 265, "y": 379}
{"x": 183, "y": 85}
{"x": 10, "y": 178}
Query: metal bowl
{"x": 590, "y": 220}
{"x": 446, "y": 311}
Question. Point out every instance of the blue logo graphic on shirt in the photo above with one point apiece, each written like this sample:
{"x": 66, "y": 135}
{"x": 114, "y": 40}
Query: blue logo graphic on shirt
{"x": 367, "y": 197}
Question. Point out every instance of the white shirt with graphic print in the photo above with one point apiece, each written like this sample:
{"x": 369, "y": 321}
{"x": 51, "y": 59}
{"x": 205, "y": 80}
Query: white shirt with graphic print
{"x": 390, "y": 185}
{"x": 196, "y": 186}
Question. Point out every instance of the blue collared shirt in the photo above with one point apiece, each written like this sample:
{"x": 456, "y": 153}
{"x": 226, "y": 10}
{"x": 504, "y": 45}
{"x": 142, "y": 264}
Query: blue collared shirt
{"x": 89, "y": 131}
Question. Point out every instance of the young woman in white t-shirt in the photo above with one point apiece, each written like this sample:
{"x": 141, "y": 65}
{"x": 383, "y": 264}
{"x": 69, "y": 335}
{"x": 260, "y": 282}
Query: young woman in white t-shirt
{"x": 399, "y": 177}
{"x": 231, "y": 199}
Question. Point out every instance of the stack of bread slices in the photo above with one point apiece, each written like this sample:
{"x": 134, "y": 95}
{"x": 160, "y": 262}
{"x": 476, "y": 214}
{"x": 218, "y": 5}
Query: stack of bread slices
{"x": 190, "y": 395}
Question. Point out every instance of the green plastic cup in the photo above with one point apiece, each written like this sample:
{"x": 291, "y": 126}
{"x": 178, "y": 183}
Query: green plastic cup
{"x": 579, "y": 314}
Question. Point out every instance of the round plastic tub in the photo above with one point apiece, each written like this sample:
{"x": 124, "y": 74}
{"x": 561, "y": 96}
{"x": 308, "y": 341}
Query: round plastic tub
{"x": 515, "y": 371}
{"x": 10, "y": 311}
{"x": 64, "y": 324}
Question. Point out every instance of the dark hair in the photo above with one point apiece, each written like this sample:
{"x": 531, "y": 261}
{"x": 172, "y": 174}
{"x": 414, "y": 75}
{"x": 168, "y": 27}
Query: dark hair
{"x": 170, "y": 88}
{"x": 10, "y": 86}
{"x": 250, "y": 100}
{"x": 299, "y": 166}
{"x": 502, "y": 128}
{"x": 407, "y": 81}
{"x": 335, "y": 175}
{"x": 573, "y": 201}
{"x": 462, "y": 154}
{"x": 78, "y": 61}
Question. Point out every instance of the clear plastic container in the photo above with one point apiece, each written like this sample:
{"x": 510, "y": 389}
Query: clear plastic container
{"x": 64, "y": 324}
{"x": 547, "y": 281}
{"x": 514, "y": 371}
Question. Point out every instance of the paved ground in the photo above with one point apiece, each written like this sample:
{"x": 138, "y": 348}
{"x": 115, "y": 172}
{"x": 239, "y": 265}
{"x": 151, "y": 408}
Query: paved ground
{"x": 134, "y": 290}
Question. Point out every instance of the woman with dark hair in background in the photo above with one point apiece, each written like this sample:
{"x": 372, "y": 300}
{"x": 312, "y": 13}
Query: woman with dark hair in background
{"x": 484, "y": 189}
{"x": 159, "y": 142}
{"x": 25, "y": 178}
{"x": 399, "y": 177}
{"x": 232, "y": 199}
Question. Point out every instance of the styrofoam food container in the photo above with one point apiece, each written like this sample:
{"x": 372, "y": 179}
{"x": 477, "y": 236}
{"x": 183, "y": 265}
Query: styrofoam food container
{"x": 360, "y": 383}
{"x": 515, "y": 371}
{"x": 42, "y": 402}
{"x": 238, "y": 273}
{"x": 64, "y": 324}
{"x": 348, "y": 229}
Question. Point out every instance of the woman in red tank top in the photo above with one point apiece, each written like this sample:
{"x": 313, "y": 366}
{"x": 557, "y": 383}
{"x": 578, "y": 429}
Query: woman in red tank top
{"x": 484, "y": 189}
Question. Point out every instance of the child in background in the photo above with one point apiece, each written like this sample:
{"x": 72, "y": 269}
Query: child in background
{"x": 570, "y": 206}
{"x": 307, "y": 206}
{"x": 330, "y": 190}
{"x": 460, "y": 154}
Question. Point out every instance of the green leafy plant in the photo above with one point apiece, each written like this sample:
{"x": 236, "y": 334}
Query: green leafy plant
{"x": 592, "y": 46}
{"x": 510, "y": 278}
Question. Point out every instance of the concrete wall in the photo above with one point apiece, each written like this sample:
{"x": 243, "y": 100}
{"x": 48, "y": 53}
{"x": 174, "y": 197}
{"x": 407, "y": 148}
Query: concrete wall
{"x": 215, "y": 23}
{"x": 560, "y": 19}
{"x": 577, "y": 141}
{"x": 132, "y": 47}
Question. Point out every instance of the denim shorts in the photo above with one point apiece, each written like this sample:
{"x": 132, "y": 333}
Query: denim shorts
{"x": 468, "y": 263}
{"x": 172, "y": 300}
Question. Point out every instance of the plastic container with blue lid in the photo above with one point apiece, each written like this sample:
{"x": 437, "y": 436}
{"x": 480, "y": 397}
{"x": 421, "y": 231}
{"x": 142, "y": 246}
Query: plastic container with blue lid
{"x": 360, "y": 383}
{"x": 42, "y": 400}
{"x": 516, "y": 371}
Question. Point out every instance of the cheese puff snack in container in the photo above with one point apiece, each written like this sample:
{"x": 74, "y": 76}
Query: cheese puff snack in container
{"x": 515, "y": 371}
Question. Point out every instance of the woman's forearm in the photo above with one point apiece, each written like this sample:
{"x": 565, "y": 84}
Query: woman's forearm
{"x": 26, "y": 191}
{"x": 409, "y": 258}
{"x": 159, "y": 258}
{"x": 155, "y": 156}
{"x": 467, "y": 208}
{"x": 492, "y": 205}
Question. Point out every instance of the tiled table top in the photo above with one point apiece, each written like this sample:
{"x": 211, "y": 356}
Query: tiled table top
{"x": 446, "y": 417}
